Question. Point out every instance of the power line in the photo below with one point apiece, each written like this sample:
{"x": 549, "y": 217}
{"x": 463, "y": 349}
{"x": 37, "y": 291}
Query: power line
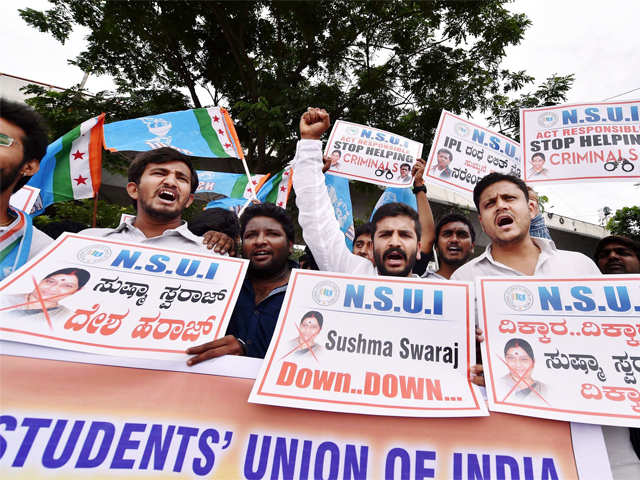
{"x": 620, "y": 94}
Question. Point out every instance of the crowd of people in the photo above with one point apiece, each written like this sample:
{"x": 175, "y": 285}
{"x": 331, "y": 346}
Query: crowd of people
{"x": 399, "y": 241}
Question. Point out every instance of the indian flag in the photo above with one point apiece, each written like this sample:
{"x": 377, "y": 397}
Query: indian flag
{"x": 71, "y": 168}
{"x": 277, "y": 188}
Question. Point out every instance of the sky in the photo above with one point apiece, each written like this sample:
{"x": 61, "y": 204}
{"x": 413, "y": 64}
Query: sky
{"x": 593, "y": 39}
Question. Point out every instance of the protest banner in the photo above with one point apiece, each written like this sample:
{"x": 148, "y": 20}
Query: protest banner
{"x": 589, "y": 141}
{"x": 563, "y": 348}
{"x": 373, "y": 345}
{"x": 371, "y": 155}
{"x": 153, "y": 423}
{"x": 25, "y": 199}
{"x": 104, "y": 296}
{"x": 463, "y": 152}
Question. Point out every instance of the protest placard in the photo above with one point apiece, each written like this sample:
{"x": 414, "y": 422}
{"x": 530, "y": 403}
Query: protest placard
{"x": 371, "y": 155}
{"x": 25, "y": 198}
{"x": 588, "y": 141}
{"x": 563, "y": 348}
{"x": 373, "y": 345}
{"x": 463, "y": 152}
{"x": 104, "y": 296}
{"x": 152, "y": 423}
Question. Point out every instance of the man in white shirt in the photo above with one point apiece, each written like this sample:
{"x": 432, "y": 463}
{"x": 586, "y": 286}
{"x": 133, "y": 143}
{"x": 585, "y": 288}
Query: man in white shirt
{"x": 396, "y": 228}
{"x": 161, "y": 185}
{"x": 505, "y": 213}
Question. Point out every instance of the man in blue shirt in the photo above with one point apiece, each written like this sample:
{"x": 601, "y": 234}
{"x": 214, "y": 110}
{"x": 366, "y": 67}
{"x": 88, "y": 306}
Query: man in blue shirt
{"x": 267, "y": 241}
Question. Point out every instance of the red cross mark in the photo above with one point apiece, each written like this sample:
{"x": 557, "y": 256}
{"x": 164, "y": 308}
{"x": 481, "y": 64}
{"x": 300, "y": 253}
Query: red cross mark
{"x": 302, "y": 344}
{"x": 78, "y": 155}
{"x": 521, "y": 379}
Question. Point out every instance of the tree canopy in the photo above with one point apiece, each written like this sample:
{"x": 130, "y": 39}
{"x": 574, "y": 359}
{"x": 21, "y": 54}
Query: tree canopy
{"x": 394, "y": 65}
{"x": 626, "y": 222}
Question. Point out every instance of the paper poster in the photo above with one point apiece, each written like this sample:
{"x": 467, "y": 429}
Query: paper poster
{"x": 581, "y": 142}
{"x": 25, "y": 199}
{"x": 463, "y": 152}
{"x": 371, "y": 155}
{"x": 373, "y": 345}
{"x": 104, "y": 296}
{"x": 563, "y": 348}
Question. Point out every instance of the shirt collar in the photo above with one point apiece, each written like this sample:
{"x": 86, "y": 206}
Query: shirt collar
{"x": 183, "y": 230}
{"x": 547, "y": 249}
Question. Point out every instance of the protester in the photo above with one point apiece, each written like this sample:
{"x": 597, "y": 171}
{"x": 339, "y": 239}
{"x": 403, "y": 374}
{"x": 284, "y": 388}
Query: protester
{"x": 537, "y": 228}
{"x": 396, "y": 228}
{"x": 619, "y": 255}
{"x": 161, "y": 185}
{"x": 616, "y": 254}
{"x": 23, "y": 143}
{"x": 362, "y": 243}
{"x": 219, "y": 228}
{"x": 455, "y": 238}
{"x": 267, "y": 241}
{"x": 505, "y": 214}
{"x": 306, "y": 260}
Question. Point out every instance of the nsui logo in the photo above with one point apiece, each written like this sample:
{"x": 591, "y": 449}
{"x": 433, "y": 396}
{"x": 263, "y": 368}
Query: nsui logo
{"x": 353, "y": 130}
{"x": 325, "y": 293}
{"x": 518, "y": 298}
{"x": 94, "y": 254}
{"x": 548, "y": 119}
{"x": 462, "y": 129}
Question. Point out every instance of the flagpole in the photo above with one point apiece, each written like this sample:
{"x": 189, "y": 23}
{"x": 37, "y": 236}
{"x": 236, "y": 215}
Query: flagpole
{"x": 250, "y": 185}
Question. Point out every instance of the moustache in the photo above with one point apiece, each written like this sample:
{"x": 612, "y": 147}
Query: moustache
{"x": 394, "y": 250}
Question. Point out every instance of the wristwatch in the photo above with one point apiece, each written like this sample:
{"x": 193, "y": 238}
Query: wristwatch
{"x": 421, "y": 188}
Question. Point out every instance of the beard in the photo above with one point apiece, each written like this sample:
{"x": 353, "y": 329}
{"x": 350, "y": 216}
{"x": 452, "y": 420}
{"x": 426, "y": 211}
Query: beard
{"x": 277, "y": 264}
{"x": 410, "y": 261}
{"x": 160, "y": 214}
{"x": 454, "y": 262}
{"x": 8, "y": 178}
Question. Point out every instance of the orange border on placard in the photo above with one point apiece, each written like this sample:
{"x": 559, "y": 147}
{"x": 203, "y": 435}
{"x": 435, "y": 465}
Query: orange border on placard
{"x": 353, "y": 175}
{"x": 524, "y": 150}
{"x": 373, "y": 279}
{"x": 139, "y": 246}
{"x": 484, "y": 313}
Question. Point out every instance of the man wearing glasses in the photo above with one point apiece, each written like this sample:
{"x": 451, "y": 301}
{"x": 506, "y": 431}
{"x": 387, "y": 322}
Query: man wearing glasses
{"x": 23, "y": 142}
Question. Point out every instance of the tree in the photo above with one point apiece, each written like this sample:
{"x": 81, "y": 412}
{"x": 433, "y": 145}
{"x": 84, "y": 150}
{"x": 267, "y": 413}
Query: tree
{"x": 626, "y": 222}
{"x": 394, "y": 65}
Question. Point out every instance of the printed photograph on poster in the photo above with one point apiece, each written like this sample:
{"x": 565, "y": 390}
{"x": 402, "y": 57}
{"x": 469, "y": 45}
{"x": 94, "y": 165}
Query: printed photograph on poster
{"x": 333, "y": 348}
{"x": 562, "y": 348}
{"x": 463, "y": 152}
{"x": 371, "y": 155}
{"x": 102, "y": 296}
{"x": 26, "y": 198}
{"x": 595, "y": 142}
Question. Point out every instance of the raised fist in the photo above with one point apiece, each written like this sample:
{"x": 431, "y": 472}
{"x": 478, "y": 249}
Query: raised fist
{"x": 313, "y": 123}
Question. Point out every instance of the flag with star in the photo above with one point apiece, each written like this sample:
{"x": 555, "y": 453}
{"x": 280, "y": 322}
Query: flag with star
{"x": 200, "y": 132}
{"x": 277, "y": 188}
{"x": 71, "y": 168}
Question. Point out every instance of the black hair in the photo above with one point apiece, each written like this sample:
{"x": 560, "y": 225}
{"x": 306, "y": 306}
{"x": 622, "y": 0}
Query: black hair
{"x": 35, "y": 141}
{"x": 81, "y": 275}
{"x": 306, "y": 260}
{"x": 364, "y": 229}
{"x": 448, "y": 152}
{"x": 216, "y": 219}
{"x": 270, "y": 210}
{"x": 627, "y": 242}
{"x": 523, "y": 344}
{"x": 406, "y": 165}
{"x": 338, "y": 152}
{"x": 160, "y": 156}
{"x": 538, "y": 154}
{"x": 455, "y": 217}
{"x": 495, "y": 177}
{"x": 315, "y": 314}
{"x": 396, "y": 209}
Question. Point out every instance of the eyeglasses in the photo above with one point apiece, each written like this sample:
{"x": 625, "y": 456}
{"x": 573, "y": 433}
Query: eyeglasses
{"x": 6, "y": 140}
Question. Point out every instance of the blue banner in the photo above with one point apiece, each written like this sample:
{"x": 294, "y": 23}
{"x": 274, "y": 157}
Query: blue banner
{"x": 340, "y": 195}
{"x": 218, "y": 182}
{"x": 393, "y": 194}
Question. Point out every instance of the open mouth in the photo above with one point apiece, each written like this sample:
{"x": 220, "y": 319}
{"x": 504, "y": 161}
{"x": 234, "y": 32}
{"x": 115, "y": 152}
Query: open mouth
{"x": 504, "y": 220}
{"x": 167, "y": 195}
{"x": 395, "y": 257}
{"x": 261, "y": 254}
{"x": 454, "y": 249}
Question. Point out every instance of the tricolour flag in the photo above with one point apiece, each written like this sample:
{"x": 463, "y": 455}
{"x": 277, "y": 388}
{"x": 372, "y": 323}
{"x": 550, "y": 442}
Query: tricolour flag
{"x": 200, "y": 132}
{"x": 72, "y": 166}
{"x": 233, "y": 185}
{"x": 277, "y": 188}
